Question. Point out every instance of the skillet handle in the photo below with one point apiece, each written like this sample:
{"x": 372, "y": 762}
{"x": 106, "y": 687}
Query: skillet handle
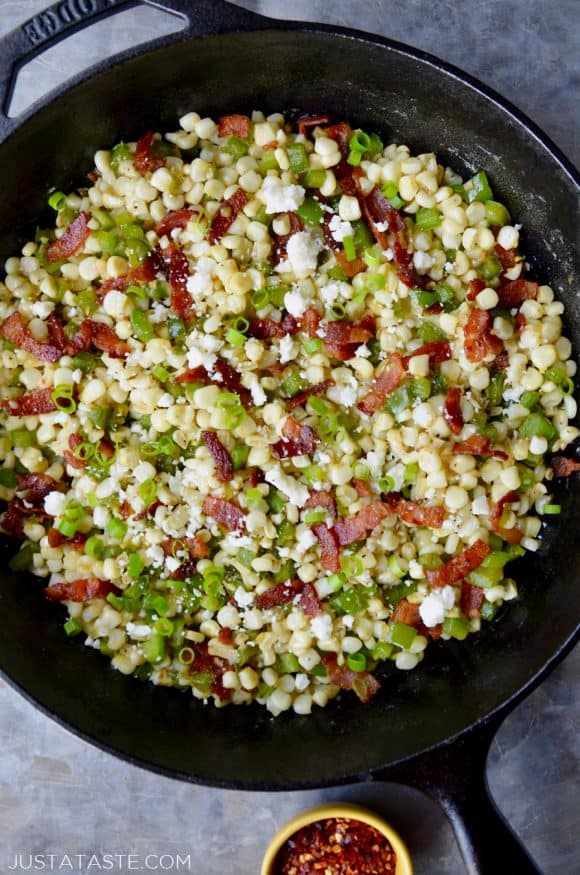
{"x": 62, "y": 19}
{"x": 454, "y": 776}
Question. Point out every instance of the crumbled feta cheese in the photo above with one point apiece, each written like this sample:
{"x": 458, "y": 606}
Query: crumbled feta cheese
{"x": 166, "y": 400}
{"x": 243, "y": 599}
{"x": 331, "y": 291}
{"x": 42, "y": 309}
{"x": 434, "y": 607}
{"x": 422, "y": 261}
{"x": 513, "y": 393}
{"x": 252, "y": 383}
{"x": 345, "y": 393}
{"x": 303, "y": 249}
{"x": 288, "y": 349}
{"x": 100, "y": 517}
{"x": 479, "y": 506}
{"x": 321, "y": 627}
{"x": 203, "y": 349}
{"x": 55, "y": 503}
{"x": 172, "y": 564}
{"x": 348, "y": 621}
{"x": 280, "y": 198}
{"x": 363, "y": 352}
{"x": 138, "y": 631}
{"x": 295, "y": 303}
{"x": 200, "y": 282}
{"x": 155, "y": 555}
{"x": 292, "y": 489}
{"x": 340, "y": 229}
{"x": 305, "y": 541}
{"x": 375, "y": 460}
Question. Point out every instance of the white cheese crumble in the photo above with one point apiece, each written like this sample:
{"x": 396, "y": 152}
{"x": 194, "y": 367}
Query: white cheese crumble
{"x": 280, "y": 198}
{"x": 331, "y": 291}
{"x": 138, "y": 631}
{"x": 363, "y": 352}
{"x": 434, "y": 607}
{"x": 321, "y": 627}
{"x": 345, "y": 393}
{"x": 292, "y": 489}
{"x": 295, "y": 304}
{"x": 340, "y": 229}
{"x": 243, "y": 599}
{"x": 252, "y": 383}
{"x": 203, "y": 349}
{"x": 200, "y": 282}
{"x": 42, "y": 309}
{"x": 288, "y": 349}
{"x": 305, "y": 541}
{"x": 303, "y": 249}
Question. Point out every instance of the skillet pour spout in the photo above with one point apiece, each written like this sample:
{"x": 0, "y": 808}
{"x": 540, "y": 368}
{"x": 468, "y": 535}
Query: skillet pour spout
{"x": 432, "y": 727}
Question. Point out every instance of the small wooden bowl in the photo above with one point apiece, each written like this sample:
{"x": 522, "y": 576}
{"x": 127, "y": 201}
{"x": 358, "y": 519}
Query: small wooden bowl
{"x": 332, "y": 810}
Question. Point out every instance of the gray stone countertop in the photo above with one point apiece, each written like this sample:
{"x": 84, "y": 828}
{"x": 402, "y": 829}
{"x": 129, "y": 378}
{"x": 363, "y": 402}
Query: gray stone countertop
{"x": 58, "y": 794}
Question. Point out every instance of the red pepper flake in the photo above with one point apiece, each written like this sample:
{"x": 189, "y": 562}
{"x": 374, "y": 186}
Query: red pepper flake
{"x": 222, "y": 458}
{"x": 564, "y": 467}
{"x": 325, "y": 500}
{"x": 460, "y": 566}
{"x": 204, "y": 663}
{"x": 226, "y": 513}
{"x": 437, "y": 350}
{"x": 328, "y": 541}
{"x": 297, "y": 440}
{"x": 515, "y": 293}
{"x": 268, "y": 329}
{"x": 413, "y": 513}
{"x": 353, "y": 528}
{"x": 175, "y": 219}
{"x": 477, "y": 445}
{"x": 226, "y": 215}
{"x": 279, "y": 594}
{"x": 71, "y": 241}
{"x": 234, "y": 126}
{"x": 452, "y": 412}
{"x": 471, "y": 600}
{"x": 362, "y": 682}
{"x": 79, "y": 590}
{"x": 195, "y": 547}
{"x": 475, "y": 287}
{"x": 145, "y": 160}
{"x": 302, "y": 397}
{"x": 15, "y": 329}
{"x": 479, "y": 340}
{"x": 390, "y": 377}
{"x": 34, "y": 403}
{"x": 312, "y": 121}
{"x": 512, "y": 536}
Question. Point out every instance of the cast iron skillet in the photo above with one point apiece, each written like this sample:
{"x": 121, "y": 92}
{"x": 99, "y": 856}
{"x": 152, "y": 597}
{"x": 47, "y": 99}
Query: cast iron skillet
{"x": 432, "y": 727}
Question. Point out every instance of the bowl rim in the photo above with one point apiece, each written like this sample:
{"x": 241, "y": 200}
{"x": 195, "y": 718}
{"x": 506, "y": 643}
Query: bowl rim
{"x": 338, "y": 809}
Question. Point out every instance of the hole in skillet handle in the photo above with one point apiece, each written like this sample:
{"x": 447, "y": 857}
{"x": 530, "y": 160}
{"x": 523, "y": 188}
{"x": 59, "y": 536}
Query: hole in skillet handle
{"x": 63, "y": 19}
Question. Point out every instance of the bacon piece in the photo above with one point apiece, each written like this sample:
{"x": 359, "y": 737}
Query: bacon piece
{"x": 309, "y": 601}
{"x": 437, "y": 350}
{"x": 312, "y": 121}
{"x": 195, "y": 547}
{"x": 362, "y": 487}
{"x": 74, "y": 441}
{"x": 479, "y": 340}
{"x": 149, "y": 510}
{"x": 341, "y": 134}
{"x": 71, "y": 241}
{"x": 356, "y": 527}
{"x": 515, "y": 293}
{"x": 390, "y": 377}
{"x": 363, "y": 683}
{"x": 234, "y": 125}
{"x": 226, "y": 513}
{"x": 266, "y": 329}
{"x": 564, "y": 467}
{"x": 310, "y": 322}
{"x": 82, "y": 590}
{"x": 413, "y": 513}
{"x": 452, "y": 412}
{"x": 342, "y": 338}
{"x": 226, "y": 215}
{"x": 302, "y": 397}
{"x": 222, "y": 458}
{"x": 328, "y": 541}
{"x": 102, "y": 338}
{"x": 508, "y": 257}
{"x": 34, "y": 403}
{"x": 281, "y": 244}
{"x": 512, "y": 536}
{"x": 143, "y": 273}
{"x": 230, "y": 380}
{"x": 501, "y": 361}
{"x": 378, "y": 211}
{"x": 475, "y": 287}
{"x": 94, "y": 175}
{"x": 279, "y": 594}
{"x": 477, "y": 445}
{"x": 175, "y": 219}
{"x": 257, "y": 476}
{"x": 204, "y": 663}
{"x": 145, "y": 160}
{"x": 410, "y": 615}
{"x": 173, "y": 260}
{"x": 460, "y": 566}
{"x": 15, "y": 329}
{"x": 298, "y": 440}
{"x": 471, "y": 600}
{"x": 325, "y": 500}
{"x": 37, "y": 486}
{"x": 404, "y": 261}
{"x": 57, "y": 539}
{"x": 521, "y": 323}
{"x": 350, "y": 268}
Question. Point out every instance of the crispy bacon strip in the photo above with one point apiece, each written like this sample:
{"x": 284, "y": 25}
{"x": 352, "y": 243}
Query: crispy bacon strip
{"x": 350, "y": 268}
{"x": 479, "y": 340}
{"x": 404, "y": 261}
{"x": 342, "y": 338}
{"x": 74, "y": 441}
{"x": 475, "y": 287}
{"x": 34, "y": 403}
{"x": 362, "y": 487}
{"x": 452, "y": 412}
{"x": 71, "y": 241}
{"x": 298, "y": 440}
{"x": 226, "y": 215}
{"x": 309, "y": 601}
{"x": 471, "y": 600}
{"x": 57, "y": 539}
{"x": 230, "y": 380}
{"x": 204, "y": 663}
{"x": 15, "y": 329}
{"x": 226, "y": 513}
{"x": 564, "y": 467}
{"x": 279, "y": 594}
{"x": 356, "y": 527}
{"x": 341, "y": 134}
{"x": 363, "y": 683}
{"x": 328, "y": 541}
{"x": 460, "y": 566}
{"x": 477, "y": 445}
{"x": 82, "y": 590}
{"x": 407, "y": 613}
{"x": 34, "y": 488}
{"x": 390, "y": 377}
{"x": 144, "y": 273}
{"x": 437, "y": 350}
{"x": 37, "y": 486}
{"x": 222, "y": 458}
{"x": 101, "y": 337}
{"x": 325, "y": 500}
{"x": 512, "y": 536}
{"x": 175, "y": 219}
{"x": 515, "y": 293}
{"x": 312, "y": 121}
{"x": 174, "y": 262}
{"x": 302, "y": 397}
{"x": 413, "y": 513}
{"x": 508, "y": 257}
{"x": 267, "y": 329}
{"x": 281, "y": 244}
{"x": 145, "y": 160}
{"x": 235, "y": 125}
{"x": 195, "y": 547}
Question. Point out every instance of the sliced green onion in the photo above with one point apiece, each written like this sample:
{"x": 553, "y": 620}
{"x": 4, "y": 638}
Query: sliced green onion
{"x": 359, "y": 142}
{"x": 293, "y": 383}
{"x": 373, "y": 256}
{"x": 403, "y": 635}
{"x": 354, "y": 158}
{"x": 297, "y": 157}
{"x": 411, "y": 471}
{"x": 349, "y": 247}
{"x": 21, "y": 437}
{"x": 62, "y": 398}
{"x": 95, "y": 548}
{"x": 116, "y": 529}
{"x": 557, "y": 373}
{"x": 338, "y": 310}
{"x": 427, "y": 299}
{"x": 148, "y": 491}
{"x": 361, "y": 471}
{"x": 186, "y": 656}
{"x": 234, "y": 417}
{"x": 536, "y": 425}
{"x": 427, "y": 218}
{"x": 236, "y": 147}
{"x": 253, "y": 497}
{"x": 399, "y": 400}
{"x": 68, "y": 528}
{"x": 552, "y": 509}
{"x": 382, "y": 650}
{"x": 351, "y": 565}
{"x": 286, "y": 572}
{"x": 72, "y": 627}
{"x": 160, "y": 373}
{"x": 386, "y": 484}
{"x": 153, "y": 648}
{"x": 313, "y": 474}
{"x": 287, "y": 663}
{"x": 135, "y": 565}
{"x": 22, "y": 560}
{"x": 57, "y": 200}
{"x": 176, "y": 329}
{"x": 456, "y": 627}
{"x": 310, "y": 211}
{"x": 430, "y": 560}
{"x": 491, "y": 268}
{"x": 317, "y": 405}
{"x": 235, "y": 338}
{"x": 313, "y": 178}
{"x": 312, "y": 346}
{"x": 164, "y": 626}
{"x": 115, "y": 601}
{"x": 356, "y": 661}
{"x": 420, "y": 388}
{"x": 240, "y": 455}
{"x": 335, "y": 582}
{"x": 268, "y": 161}
{"x": 495, "y": 388}
{"x": 227, "y": 399}
{"x": 429, "y": 332}
{"x": 350, "y": 601}
{"x": 260, "y": 298}
{"x": 394, "y": 567}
